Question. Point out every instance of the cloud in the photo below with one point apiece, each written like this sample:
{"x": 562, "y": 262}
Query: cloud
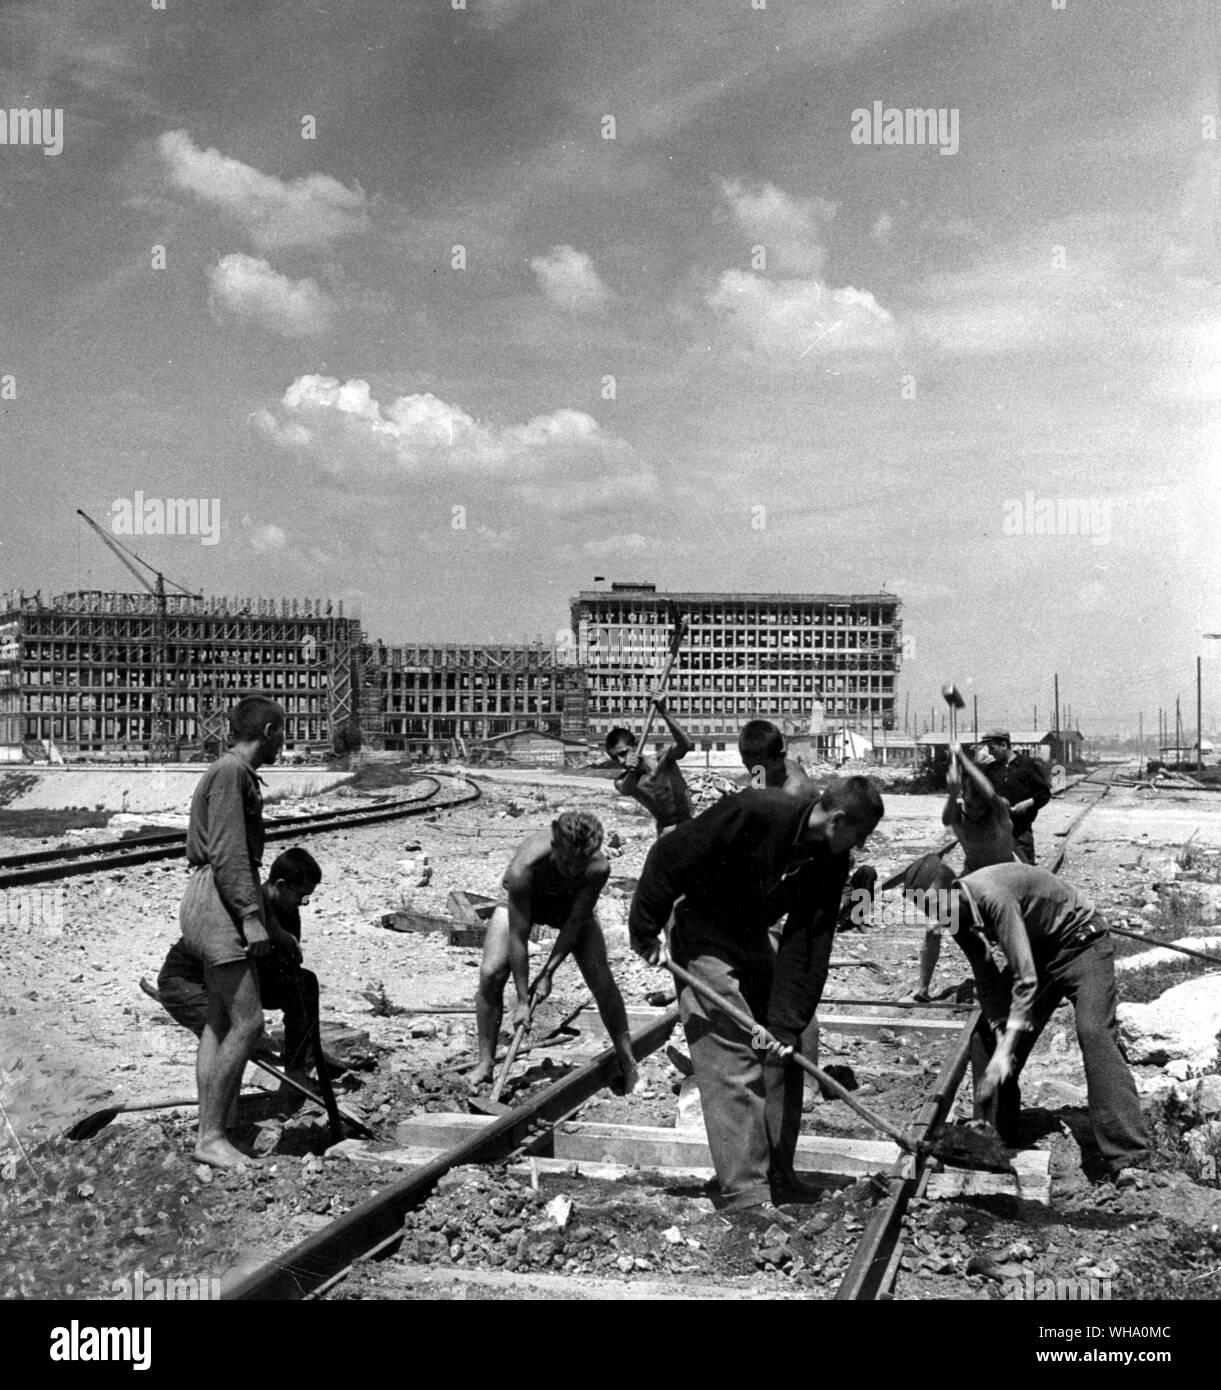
{"x": 247, "y": 288}
{"x": 264, "y": 538}
{"x": 800, "y": 318}
{"x": 309, "y": 211}
{"x": 560, "y": 462}
{"x": 569, "y": 280}
{"x": 789, "y": 229}
{"x": 882, "y": 228}
{"x": 615, "y": 545}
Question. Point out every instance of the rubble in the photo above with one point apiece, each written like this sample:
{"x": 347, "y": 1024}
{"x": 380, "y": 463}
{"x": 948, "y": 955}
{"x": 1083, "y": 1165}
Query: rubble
{"x": 1182, "y": 1025}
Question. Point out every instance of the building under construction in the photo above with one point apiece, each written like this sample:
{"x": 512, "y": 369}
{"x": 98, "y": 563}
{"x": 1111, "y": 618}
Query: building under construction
{"x": 435, "y": 698}
{"x": 95, "y": 672}
{"x": 808, "y": 662}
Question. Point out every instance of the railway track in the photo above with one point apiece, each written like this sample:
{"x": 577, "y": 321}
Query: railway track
{"x": 48, "y": 866}
{"x": 375, "y": 1227}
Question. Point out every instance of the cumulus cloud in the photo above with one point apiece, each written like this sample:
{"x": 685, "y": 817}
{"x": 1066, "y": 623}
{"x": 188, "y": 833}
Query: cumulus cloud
{"x": 310, "y": 211}
{"x": 568, "y": 279}
{"x": 789, "y": 229}
{"x": 801, "y": 317}
{"x": 563, "y": 461}
{"x": 247, "y": 288}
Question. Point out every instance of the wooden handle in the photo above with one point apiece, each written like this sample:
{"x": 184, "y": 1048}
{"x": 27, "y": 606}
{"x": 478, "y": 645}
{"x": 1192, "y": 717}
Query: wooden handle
{"x": 680, "y": 629}
{"x": 510, "y": 1058}
{"x": 745, "y": 1021}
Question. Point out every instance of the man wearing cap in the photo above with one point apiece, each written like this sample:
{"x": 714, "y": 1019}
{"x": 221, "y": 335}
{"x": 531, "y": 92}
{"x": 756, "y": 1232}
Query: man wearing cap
{"x": 728, "y": 875}
{"x": 1056, "y": 947}
{"x": 1022, "y": 781}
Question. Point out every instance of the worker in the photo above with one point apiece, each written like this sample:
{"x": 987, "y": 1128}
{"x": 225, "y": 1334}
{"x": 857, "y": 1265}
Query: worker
{"x": 1022, "y": 781}
{"x": 222, "y": 915}
{"x": 727, "y": 876}
{"x": 660, "y": 789}
{"x": 761, "y": 748}
{"x": 553, "y": 879}
{"x": 182, "y": 988}
{"x": 983, "y": 825}
{"x": 1056, "y": 947}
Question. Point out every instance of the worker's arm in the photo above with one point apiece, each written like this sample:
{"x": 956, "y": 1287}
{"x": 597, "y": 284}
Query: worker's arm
{"x": 629, "y": 779}
{"x": 949, "y": 812}
{"x": 1037, "y": 784}
{"x": 233, "y": 871}
{"x": 989, "y": 983}
{"x": 518, "y": 882}
{"x": 1006, "y": 922}
{"x": 578, "y": 920}
{"x": 981, "y": 784}
{"x": 803, "y": 957}
{"x": 682, "y": 744}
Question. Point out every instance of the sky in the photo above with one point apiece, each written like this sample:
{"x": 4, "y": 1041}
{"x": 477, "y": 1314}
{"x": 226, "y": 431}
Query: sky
{"x": 451, "y": 310}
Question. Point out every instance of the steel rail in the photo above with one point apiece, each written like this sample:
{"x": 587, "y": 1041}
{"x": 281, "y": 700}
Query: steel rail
{"x": 164, "y": 837}
{"x": 321, "y": 1256}
{"x": 274, "y": 830}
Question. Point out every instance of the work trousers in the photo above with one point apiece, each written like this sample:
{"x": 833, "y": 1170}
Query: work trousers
{"x": 282, "y": 985}
{"x": 1083, "y": 972}
{"x": 752, "y": 1106}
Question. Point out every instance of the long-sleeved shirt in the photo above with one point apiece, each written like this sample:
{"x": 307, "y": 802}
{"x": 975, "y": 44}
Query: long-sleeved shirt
{"x": 739, "y": 867}
{"x": 1020, "y": 779}
{"x": 226, "y": 832}
{"x": 1031, "y": 915}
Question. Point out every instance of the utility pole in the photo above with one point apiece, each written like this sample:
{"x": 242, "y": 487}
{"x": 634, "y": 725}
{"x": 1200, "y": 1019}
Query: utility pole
{"x": 907, "y": 695}
{"x": 1035, "y": 725}
{"x": 1140, "y": 742}
{"x": 1178, "y": 728}
{"x": 975, "y": 714}
{"x": 1199, "y": 717}
{"x": 1056, "y": 725}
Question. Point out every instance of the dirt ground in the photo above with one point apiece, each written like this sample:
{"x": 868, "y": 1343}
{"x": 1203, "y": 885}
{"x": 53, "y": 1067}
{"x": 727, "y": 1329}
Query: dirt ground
{"x": 75, "y": 1033}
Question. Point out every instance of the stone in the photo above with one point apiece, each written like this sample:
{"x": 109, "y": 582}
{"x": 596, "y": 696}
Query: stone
{"x": 690, "y": 1108}
{"x": 1181, "y": 1025}
{"x": 1205, "y": 1140}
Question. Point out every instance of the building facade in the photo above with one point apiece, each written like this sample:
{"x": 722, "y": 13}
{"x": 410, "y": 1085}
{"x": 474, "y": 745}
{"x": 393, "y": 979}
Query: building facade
{"x": 97, "y": 672}
{"x": 811, "y": 663}
{"x": 439, "y": 698}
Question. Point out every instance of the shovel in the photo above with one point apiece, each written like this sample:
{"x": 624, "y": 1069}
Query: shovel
{"x": 493, "y": 1104}
{"x": 965, "y": 1146}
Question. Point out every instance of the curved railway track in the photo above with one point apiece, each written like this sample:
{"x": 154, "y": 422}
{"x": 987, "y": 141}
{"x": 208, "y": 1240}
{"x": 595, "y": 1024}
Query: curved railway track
{"x": 47, "y": 866}
{"x": 374, "y": 1227}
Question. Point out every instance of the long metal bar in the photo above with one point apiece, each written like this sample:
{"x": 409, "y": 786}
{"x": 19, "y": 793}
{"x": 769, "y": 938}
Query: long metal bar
{"x": 322, "y": 1255}
{"x": 866, "y": 1272}
{"x": 275, "y": 830}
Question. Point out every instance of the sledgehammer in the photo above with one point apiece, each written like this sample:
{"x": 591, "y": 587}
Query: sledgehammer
{"x": 953, "y": 697}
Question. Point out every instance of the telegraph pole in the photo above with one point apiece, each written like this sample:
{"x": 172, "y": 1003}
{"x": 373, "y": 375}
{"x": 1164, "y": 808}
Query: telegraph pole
{"x": 1140, "y": 741}
{"x": 975, "y": 711}
{"x": 1199, "y": 718}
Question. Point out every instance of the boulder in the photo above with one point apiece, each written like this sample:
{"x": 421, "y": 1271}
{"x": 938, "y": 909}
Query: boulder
{"x": 1205, "y": 1141}
{"x": 1201, "y": 1099}
{"x": 1182, "y": 1025}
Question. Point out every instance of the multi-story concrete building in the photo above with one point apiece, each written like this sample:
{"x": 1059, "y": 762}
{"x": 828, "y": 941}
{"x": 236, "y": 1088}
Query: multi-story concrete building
{"x": 434, "y": 698}
{"x": 94, "y": 672}
{"x": 808, "y": 662}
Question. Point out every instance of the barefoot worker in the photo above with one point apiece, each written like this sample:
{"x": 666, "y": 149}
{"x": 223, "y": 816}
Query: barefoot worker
{"x": 728, "y": 876}
{"x": 222, "y": 914}
{"x": 554, "y": 879}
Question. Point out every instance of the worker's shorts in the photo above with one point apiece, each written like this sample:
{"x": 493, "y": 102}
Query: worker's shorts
{"x": 184, "y": 996}
{"x": 208, "y": 930}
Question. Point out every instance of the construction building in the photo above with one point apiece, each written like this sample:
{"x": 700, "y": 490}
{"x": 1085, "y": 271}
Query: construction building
{"x": 94, "y": 672}
{"x": 811, "y": 663}
{"x": 439, "y": 698}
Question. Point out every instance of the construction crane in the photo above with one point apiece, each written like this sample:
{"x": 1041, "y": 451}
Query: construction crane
{"x": 162, "y": 746}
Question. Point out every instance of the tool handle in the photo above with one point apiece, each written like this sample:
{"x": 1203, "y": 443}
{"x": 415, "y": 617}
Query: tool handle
{"x": 510, "y": 1057}
{"x": 744, "y": 1020}
{"x": 679, "y": 631}
{"x": 1169, "y": 945}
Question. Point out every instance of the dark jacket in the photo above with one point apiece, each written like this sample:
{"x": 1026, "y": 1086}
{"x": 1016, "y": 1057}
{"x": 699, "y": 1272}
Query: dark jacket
{"x": 740, "y": 867}
{"x": 1017, "y": 780}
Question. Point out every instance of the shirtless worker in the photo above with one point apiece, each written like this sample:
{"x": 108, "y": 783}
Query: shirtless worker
{"x": 554, "y": 879}
{"x": 980, "y": 819}
{"x": 222, "y": 915}
{"x": 661, "y": 789}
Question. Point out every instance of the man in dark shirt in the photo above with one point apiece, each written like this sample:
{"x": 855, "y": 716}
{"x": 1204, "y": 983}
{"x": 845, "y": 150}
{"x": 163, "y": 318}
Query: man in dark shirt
{"x": 1022, "y": 781}
{"x": 1056, "y": 947}
{"x": 728, "y": 876}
